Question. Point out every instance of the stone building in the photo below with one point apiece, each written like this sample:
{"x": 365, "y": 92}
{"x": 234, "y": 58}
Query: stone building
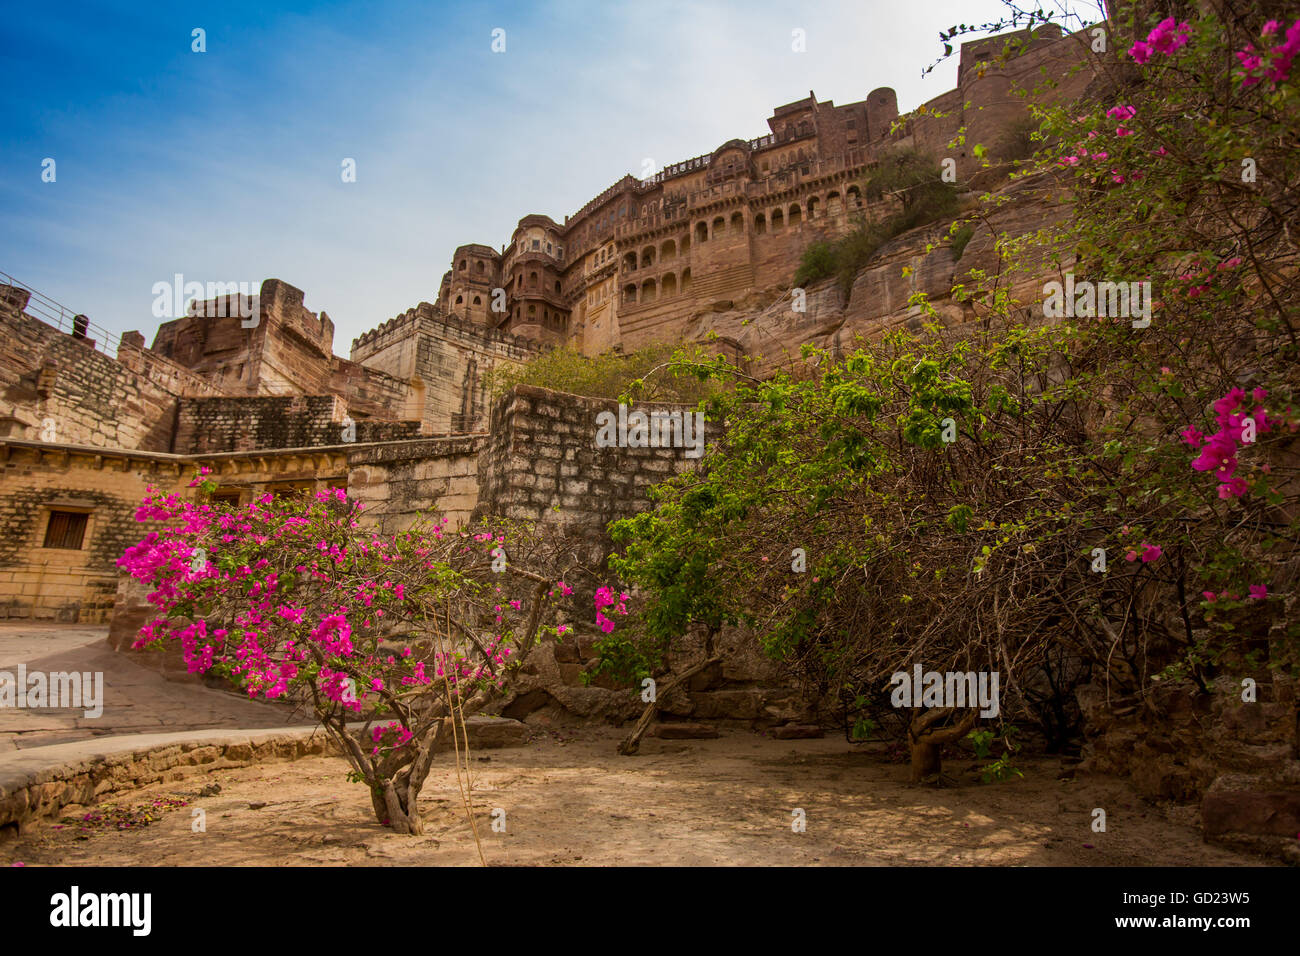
{"x": 637, "y": 261}
{"x": 88, "y": 423}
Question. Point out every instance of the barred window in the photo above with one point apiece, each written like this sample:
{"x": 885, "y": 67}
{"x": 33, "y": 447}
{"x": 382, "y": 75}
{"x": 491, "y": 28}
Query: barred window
{"x": 66, "y": 529}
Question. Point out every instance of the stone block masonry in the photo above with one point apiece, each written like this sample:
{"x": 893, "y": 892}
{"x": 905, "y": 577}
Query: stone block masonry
{"x": 398, "y": 481}
{"x": 290, "y": 421}
{"x": 541, "y": 463}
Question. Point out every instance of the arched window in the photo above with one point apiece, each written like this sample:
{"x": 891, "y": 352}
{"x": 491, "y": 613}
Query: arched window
{"x": 461, "y": 267}
{"x": 686, "y": 279}
{"x": 812, "y": 208}
{"x": 532, "y": 280}
{"x": 833, "y": 204}
{"x": 477, "y": 300}
{"x": 629, "y": 294}
{"x": 778, "y": 219}
{"x": 647, "y": 257}
{"x": 629, "y": 262}
{"x": 648, "y": 290}
{"x": 795, "y": 215}
{"x": 760, "y": 223}
{"x": 854, "y": 197}
{"x": 460, "y": 300}
{"x": 719, "y": 226}
{"x": 668, "y": 285}
{"x": 557, "y": 286}
{"x": 478, "y": 267}
{"x": 668, "y": 250}
{"x": 701, "y": 232}
{"x": 737, "y": 222}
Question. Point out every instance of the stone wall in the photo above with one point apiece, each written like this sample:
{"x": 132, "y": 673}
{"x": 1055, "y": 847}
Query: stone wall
{"x": 252, "y": 423}
{"x": 58, "y": 388}
{"x": 289, "y": 350}
{"x": 541, "y": 463}
{"x": 399, "y": 480}
{"x": 1238, "y": 759}
{"x": 63, "y": 584}
{"x": 447, "y": 359}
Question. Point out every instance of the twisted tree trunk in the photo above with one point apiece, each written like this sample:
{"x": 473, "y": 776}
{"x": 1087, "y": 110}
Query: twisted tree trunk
{"x": 926, "y": 740}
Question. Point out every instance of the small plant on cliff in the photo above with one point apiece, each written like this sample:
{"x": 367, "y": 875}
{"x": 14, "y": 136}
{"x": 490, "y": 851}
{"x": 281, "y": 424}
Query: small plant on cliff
{"x": 817, "y": 262}
{"x": 390, "y": 639}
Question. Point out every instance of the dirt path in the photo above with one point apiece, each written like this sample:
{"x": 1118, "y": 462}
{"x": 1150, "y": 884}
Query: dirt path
{"x": 709, "y": 802}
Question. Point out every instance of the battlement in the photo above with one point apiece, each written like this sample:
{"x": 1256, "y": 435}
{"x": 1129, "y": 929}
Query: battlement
{"x": 409, "y": 323}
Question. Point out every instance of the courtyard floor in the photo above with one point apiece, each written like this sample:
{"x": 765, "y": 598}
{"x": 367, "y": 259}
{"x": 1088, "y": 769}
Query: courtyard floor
{"x": 569, "y": 799}
{"x": 136, "y": 699}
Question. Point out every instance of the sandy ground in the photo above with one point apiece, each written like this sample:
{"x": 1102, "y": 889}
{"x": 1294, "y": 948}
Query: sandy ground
{"x": 571, "y": 800}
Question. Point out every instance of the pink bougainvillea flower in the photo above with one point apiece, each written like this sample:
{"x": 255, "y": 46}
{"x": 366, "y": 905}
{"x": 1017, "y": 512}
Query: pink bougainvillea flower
{"x": 1259, "y": 591}
{"x": 1151, "y": 552}
{"x": 1233, "y": 488}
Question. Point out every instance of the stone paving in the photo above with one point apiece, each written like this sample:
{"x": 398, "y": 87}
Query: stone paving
{"x": 135, "y": 698}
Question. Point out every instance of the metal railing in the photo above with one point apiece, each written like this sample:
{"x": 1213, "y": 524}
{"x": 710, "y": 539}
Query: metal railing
{"x": 41, "y": 306}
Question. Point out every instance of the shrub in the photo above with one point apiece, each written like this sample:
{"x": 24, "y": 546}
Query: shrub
{"x": 663, "y": 373}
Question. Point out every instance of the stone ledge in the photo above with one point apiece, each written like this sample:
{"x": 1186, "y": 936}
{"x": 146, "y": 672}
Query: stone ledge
{"x": 38, "y": 782}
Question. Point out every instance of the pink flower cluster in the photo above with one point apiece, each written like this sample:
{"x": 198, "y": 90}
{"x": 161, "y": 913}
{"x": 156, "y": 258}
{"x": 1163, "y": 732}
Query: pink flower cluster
{"x": 1258, "y": 592}
{"x": 1148, "y": 553}
{"x": 1219, "y": 451}
{"x": 398, "y": 736}
{"x": 604, "y": 598}
{"x": 1274, "y": 64}
{"x": 1198, "y": 282}
{"x": 1165, "y": 39}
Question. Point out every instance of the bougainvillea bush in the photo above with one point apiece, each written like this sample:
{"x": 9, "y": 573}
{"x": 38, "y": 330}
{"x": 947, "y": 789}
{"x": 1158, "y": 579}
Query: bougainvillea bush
{"x": 390, "y": 639}
{"x": 1058, "y": 499}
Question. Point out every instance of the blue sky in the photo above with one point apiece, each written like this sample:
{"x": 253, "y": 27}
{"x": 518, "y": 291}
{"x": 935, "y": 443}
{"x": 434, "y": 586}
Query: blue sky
{"x": 225, "y": 165}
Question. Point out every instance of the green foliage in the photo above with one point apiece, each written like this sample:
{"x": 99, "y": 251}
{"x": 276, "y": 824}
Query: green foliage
{"x": 1072, "y": 433}
{"x": 960, "y": 237}
{"x": 663, "y": 373}
{"x": 863, "y": 728}
{"x": 982, "y": 741}
{"x": 818, "y": 262}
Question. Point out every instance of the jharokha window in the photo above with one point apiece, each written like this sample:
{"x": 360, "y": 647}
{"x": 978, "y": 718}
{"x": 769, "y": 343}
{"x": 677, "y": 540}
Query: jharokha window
{"x": 67, "y": 529}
